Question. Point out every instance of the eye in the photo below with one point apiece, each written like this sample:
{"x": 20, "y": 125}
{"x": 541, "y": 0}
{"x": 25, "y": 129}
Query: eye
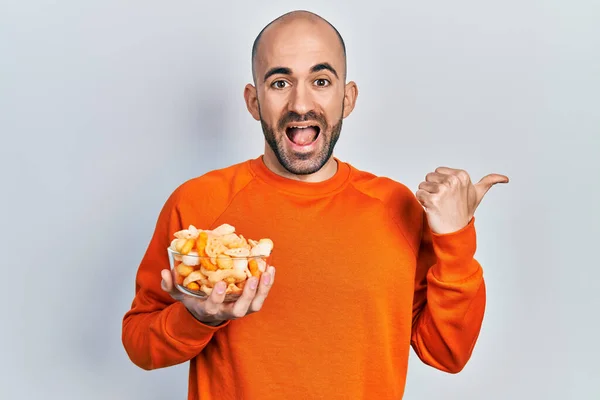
{"x": 322, "y": 82}
{"x": 279, "y": 84}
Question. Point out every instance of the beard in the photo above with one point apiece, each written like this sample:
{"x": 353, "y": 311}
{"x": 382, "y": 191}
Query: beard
{"x": 302, "y": 163}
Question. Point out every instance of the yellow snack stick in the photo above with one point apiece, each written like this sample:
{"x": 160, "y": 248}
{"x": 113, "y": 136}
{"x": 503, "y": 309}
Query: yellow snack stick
{"x": 253, "y": 267}
{"x": 205, "y": 262}
{"x": 184, "y": 270}
{"x": 178, "y": 278}
{"x": 189, "y": 245}
{"x": 201, "y": 242}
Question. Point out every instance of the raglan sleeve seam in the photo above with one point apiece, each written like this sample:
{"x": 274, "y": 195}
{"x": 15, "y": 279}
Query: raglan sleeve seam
{"x": 233, "y": 198}
{"x": 390, "y": 214}
{"x": 406, "y": 238}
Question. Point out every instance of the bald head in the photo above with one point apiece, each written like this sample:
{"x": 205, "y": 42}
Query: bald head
{"x": 300, "y": 94}
{"x": 294, "y": 20}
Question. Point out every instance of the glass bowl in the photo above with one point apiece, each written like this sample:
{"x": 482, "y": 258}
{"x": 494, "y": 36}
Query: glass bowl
{"x": 196, "y": 275}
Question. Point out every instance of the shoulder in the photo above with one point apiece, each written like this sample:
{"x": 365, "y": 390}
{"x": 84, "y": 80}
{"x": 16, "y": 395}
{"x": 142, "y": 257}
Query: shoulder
{"x": 399, "y": 200}
{"x": 216, "y": 183}
{"x": 389, "y": 191}
{"x": 203, "y": 198}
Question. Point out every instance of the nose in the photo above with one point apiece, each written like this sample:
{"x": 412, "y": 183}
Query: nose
{"x": 300, "y": 100}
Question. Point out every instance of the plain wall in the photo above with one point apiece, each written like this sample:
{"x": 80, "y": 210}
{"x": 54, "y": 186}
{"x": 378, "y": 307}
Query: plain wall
{"x": 107, "y": 106}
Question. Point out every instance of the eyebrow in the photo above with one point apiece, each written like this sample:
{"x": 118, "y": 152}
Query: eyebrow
{"x": 324, "y": 66}
{"x": 288, "y": 71}
{"x": 277, "y": 70}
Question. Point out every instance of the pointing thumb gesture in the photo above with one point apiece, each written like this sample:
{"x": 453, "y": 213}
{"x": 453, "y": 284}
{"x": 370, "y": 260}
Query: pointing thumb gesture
{"x": 485, "y": 184}
{"x": 450, "y": 198}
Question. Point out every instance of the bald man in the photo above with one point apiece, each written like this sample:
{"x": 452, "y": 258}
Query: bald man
{"x": 366, "y": 269}
{"x": 285, "y": 53}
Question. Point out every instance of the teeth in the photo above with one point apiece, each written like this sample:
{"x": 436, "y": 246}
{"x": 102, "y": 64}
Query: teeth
{"x": 300, "y": 127}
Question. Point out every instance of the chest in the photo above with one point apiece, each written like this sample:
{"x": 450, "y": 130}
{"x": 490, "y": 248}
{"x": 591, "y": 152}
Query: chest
{"x": 330, "y": 251}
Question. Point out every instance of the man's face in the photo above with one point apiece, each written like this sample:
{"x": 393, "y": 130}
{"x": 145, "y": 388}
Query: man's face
{"x": 300, "y": 73}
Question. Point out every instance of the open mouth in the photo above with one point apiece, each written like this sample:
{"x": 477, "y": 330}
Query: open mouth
{"x": 302, "y": 135}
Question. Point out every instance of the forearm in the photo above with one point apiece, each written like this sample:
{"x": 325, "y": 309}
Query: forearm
{"x": 447, "y": 327}
{"x": 166, "y": 337}
{"x": 447, "y": 323}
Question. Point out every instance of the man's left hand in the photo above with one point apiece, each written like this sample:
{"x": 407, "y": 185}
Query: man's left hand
{"x": 450, "y": 198}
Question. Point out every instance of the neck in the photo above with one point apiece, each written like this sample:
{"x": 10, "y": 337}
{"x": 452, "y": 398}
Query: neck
{"x": 327, "y": 171}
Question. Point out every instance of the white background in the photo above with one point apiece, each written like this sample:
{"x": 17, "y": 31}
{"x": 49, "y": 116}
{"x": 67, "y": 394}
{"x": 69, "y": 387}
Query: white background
{"x": 106, "y": 106}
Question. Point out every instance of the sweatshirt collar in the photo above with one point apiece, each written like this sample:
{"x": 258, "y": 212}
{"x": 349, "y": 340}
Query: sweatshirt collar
{"x": 336, "y": 182}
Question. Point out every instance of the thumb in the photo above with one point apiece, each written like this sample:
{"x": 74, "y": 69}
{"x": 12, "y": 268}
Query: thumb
{"x": 167, "y": 281}
{"x": 487, "y": 182}
{"x": 168, "y": 285}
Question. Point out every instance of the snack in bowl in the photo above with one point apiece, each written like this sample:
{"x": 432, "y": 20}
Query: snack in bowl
{"x": 200, "y": 258}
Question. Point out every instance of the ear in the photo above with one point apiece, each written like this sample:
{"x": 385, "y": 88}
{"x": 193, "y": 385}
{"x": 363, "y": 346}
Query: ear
{"x": 350, "y": 95}
{"x": 252, "y": 101}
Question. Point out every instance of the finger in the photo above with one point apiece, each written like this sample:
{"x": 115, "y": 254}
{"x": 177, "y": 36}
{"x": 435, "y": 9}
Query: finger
{"x": 213, "y": 303}
{"x": 167, "y": 281}
{"x": 454, "y": 176}
{"x": 487, "y": 182}
{"x": 167, "y": 284}
{"x": 242, "y": 304}
{"x": 424, "y": 197}
{"x": 435, "y": 177}
{"x": 429, "y": 187}
{"x": 266, "y": 283}
{"x": 447, "y": 171}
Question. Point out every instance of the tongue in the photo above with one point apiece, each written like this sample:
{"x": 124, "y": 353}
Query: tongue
{"x": 302, "y": 136}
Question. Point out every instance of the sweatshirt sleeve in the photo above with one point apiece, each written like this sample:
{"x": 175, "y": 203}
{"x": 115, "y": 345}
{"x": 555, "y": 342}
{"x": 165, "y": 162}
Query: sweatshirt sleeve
{"x": 449, "y": 300}
{"x": 158, "y": 331}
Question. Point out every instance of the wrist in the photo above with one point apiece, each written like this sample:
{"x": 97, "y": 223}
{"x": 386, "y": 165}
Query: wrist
{"x": 213, "y": 323}
{"x": 206, "y": 321}
{"x": 450, "y": 229}
{"x": 455, "y": 254}
{"x": 182, "y": 325}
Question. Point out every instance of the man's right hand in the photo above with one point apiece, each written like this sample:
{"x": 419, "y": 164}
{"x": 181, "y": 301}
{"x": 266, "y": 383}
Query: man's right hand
{"x": 212, "y": 310}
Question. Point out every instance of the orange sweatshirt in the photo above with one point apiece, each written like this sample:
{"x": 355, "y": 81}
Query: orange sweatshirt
{"x": 360, "y": 279}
